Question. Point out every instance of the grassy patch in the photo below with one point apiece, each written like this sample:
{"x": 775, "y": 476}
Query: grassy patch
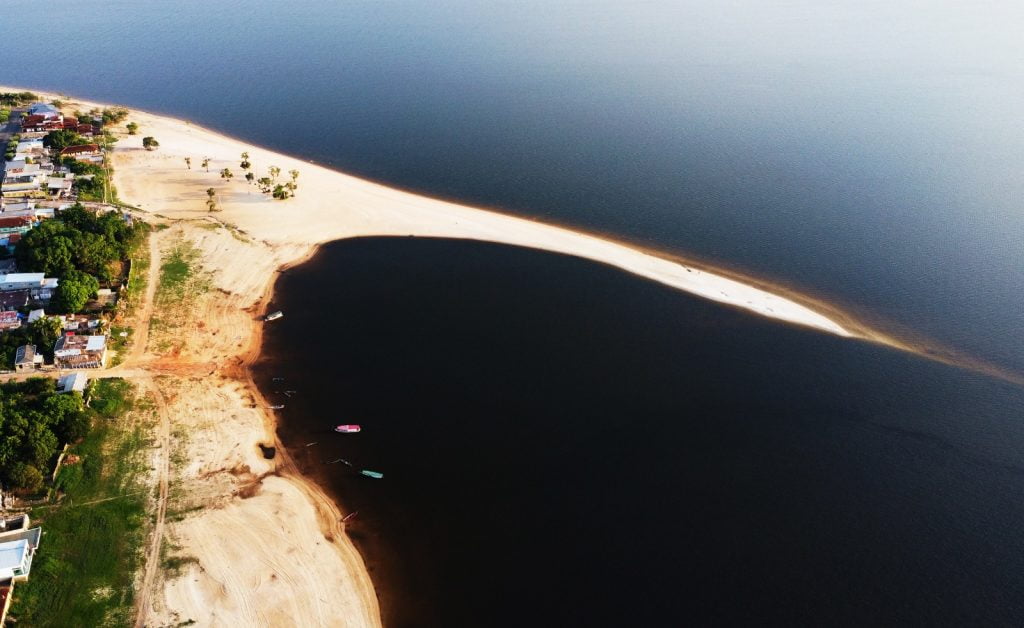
{"x": 111, "y": 397}
{"x": 182, "y": 281}
{"x": 84, "y": 570}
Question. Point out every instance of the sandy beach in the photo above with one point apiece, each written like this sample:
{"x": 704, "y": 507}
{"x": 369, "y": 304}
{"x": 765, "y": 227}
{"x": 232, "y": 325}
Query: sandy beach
{"x": 268, "y": 546}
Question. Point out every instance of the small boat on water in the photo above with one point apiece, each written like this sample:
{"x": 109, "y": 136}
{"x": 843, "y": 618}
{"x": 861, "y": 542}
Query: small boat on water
{"x": 279, "y": 406}
{"x": 372, "y": 474}
{"x": 273, "y": 316}
{"x": 348, "y": 429}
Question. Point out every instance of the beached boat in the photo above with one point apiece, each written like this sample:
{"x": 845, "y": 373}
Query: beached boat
{"x": 348, "y": 429}
{"x": 279, "y": 406}
{"x": 372, "y": 474}
{"x": 273, "y": 316}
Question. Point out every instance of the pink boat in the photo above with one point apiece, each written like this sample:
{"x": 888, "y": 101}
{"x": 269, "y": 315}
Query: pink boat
{"x": 348, "y": 429}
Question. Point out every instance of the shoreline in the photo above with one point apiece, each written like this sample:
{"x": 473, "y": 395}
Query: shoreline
{"x": 255, "y": 238}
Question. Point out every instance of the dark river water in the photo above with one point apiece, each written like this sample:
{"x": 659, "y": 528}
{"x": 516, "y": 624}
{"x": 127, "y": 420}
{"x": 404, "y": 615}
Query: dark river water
{"x": 567, "y": 445}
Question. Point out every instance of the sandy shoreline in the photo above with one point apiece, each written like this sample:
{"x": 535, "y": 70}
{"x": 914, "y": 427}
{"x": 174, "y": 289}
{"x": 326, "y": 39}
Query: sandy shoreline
{"x": 269, "y": 544}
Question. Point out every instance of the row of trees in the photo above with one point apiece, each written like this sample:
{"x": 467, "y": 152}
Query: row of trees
{"x": 16, "y": 99}
{"x": 34, "y": 421}
{"x": 269, "y": 184}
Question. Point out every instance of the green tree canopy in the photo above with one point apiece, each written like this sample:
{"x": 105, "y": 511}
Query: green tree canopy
{"x": 73, "y": 291}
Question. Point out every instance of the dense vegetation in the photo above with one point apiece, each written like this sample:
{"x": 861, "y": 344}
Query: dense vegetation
{"x": 78, "y": 240}
{"x": 42, "y": 333}
{"x": 34, "y": 420}
{"x": 14, "y": 99}
{"x": 83, "y": 573}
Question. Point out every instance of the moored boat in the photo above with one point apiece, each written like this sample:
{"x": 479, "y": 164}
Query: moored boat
{"x": 372, "y": 474}
{"x": 273, "y": 316}
{"x": 348, "y": 429}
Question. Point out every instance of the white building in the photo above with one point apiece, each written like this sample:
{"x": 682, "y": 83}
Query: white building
{"x": 74, "y": 382}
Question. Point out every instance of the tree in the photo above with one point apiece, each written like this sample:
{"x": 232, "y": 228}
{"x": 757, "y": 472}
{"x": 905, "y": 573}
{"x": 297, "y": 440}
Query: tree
{"x": 188, "y": 163}
{"x": 206, "y": 163}
{"x": 211, "y": 201}
{"x": 280, "y": 192}
{"x": 226, "y": 174}
{"x": 73, "y": 291}
{"x": 266, "y": 185}
{"x": 45, "y": 332}
{"x": 25, "y": 477}
{"x": 59, "y": 140}
{"x": 150, "y": 143}
{"x": 274, "y": 172}
{"x": 132, "y": 128}
{"x": 250, "y": 177}
{"x": 294, "y": 183}
{"x": 245, "y": 165}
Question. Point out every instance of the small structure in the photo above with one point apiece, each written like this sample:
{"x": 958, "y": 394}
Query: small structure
{"x": 9, "y": 320}
{"x": 35, "y": 315}
{"x": 72, "y": 382}
{"x": 27, "y": 359}
{"x": 80, "y": 352}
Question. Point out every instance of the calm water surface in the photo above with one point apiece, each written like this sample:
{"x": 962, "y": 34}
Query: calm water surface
{"x": 564, "y": 444}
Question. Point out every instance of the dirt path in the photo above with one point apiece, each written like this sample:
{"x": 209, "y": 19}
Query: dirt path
{"x": 145, "y": 312}
{"x": 143, "y": 600}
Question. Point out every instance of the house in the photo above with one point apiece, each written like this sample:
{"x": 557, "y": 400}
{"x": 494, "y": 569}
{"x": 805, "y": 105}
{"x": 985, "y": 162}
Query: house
{"x": 80, "y": 352}
{"x": 59, "y": 187}
{"x": 46, "y": 110}
{"x": 16, "y": 224}
{"x": 83, "y": 152}
{"x": 35, "y": 315}
{"x": 40, "y": 287}
{"x": 18, "y": 545}
{"x": 9, "y": 320}
{"x": 14, "y": 299}
{"x": 26, "y": 358}
{"x": 72, "y": 382}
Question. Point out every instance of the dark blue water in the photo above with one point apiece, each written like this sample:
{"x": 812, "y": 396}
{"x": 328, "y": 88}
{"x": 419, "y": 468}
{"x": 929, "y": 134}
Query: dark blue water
{"x": 564, "y": 444}
{"x": 867, "y": 153}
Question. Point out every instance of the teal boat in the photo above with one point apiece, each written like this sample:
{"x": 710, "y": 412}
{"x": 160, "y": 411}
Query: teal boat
{"x": 372, "y": 474}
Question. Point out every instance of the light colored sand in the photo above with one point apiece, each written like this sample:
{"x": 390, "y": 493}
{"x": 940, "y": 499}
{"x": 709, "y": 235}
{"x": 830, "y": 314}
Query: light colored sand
{"x": 270, "y": 548}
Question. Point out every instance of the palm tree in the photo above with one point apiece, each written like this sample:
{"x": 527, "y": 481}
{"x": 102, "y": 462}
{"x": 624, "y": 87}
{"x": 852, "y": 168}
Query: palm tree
{"x": 274, "y": 172}
{"x": 249, "y": 177}
{"x": 206, "y": 163}
{"x": 188, "y": 163}
{"x": 211, "y": 202}
{"x": 226, "y": 174}
{"x": 245, "y": 161}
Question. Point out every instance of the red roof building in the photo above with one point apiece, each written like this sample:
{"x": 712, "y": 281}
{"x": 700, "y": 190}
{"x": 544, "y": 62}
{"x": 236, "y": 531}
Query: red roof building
{"x": 81, "y": 149}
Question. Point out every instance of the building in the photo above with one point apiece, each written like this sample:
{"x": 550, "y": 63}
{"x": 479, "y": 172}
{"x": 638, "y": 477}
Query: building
{"x": 18, "y": 545}
{"x": 83, "y": 152}
{"x": 16, "y": 224}
{"x": 80, "y": 352}
{"x": 40, "y": 287}
{"x": 35, "y": 315}
{"x": 14, "y": 299}
{"x": 59, "y": 187}
{"x": 26, "y": 359}
{"x": 46, "y": 110}
{"x": 9, "y": 320}
{"x": 72, "y": 382}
